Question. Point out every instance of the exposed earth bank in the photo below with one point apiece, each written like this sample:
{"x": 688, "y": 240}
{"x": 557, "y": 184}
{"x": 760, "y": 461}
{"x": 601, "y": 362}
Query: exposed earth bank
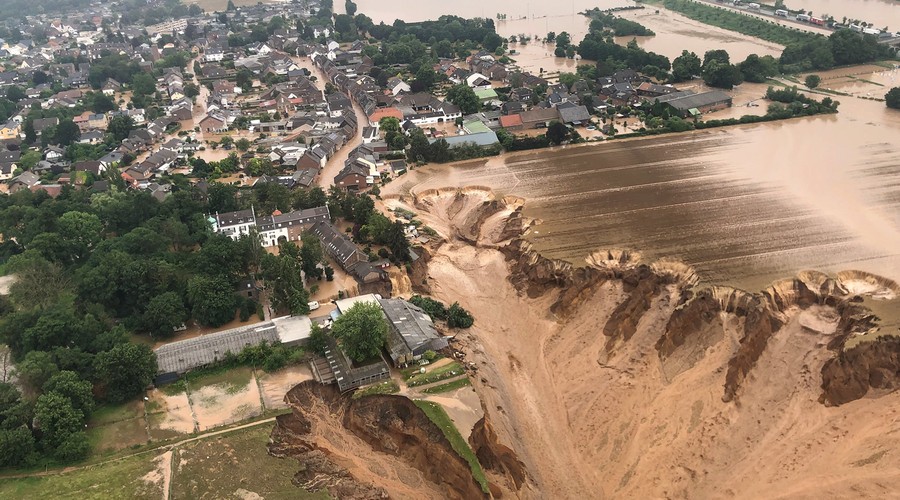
{"x": 625, "y": 379}
{"x": 620, "y": 379}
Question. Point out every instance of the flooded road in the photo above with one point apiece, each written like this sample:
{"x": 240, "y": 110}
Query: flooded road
{"x": 744, "y": 205}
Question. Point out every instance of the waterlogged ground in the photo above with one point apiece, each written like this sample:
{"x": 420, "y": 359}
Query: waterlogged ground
{"x": 744, "y": 205}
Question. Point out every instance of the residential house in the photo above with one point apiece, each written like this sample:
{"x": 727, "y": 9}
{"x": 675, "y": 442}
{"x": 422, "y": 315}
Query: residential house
{"x": 478, "y": 81}
{"x": 7, "y": 168}
{"x": 358, "y": 174}
{"x": 538, "y": 117}
{"x": 10, "y": 130}
{"x": 213, "y": 123}
{"x": 25, "y": 180}
{"x": 40, "y": 124}
{"x": 571, "y": 114}
{"x": 396, "y": 85}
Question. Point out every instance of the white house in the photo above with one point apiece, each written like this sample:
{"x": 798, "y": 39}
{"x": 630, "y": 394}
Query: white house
{"x": 478, "y": 81}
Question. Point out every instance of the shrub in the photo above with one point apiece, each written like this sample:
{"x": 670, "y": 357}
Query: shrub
{"x": 457, "y": 317}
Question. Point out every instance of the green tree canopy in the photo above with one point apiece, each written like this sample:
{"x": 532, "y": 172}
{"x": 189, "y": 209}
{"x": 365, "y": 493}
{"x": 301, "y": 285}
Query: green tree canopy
{"x": 125, "y": 370}
{"x": 463, "y": 96}
{"x": 164, "y": 313}
{"x": 557, "y": 132}
{"x": 71, "y": 385}
{"x": 212, "y": 300}
{"x": 362, "y": 331}
{"x": 892, "y": 98}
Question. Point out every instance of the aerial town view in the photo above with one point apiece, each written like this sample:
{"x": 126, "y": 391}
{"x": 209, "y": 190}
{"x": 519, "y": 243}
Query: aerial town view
{"x": 372, "y": 249}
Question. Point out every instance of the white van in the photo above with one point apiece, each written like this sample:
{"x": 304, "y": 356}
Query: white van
{"x": 313, "y": 305}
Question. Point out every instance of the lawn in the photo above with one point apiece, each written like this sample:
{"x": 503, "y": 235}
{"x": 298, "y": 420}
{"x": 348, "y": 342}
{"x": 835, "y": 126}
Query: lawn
{"x": 437, "y": 415}
{"x": 449, "y": 386}
{"x": 235, "y": 465}
{"x": 444, "y": 372}
{"x": 119, "y": 479}
{"x": 114, "y": 427}
{"x": 386, "y": 387}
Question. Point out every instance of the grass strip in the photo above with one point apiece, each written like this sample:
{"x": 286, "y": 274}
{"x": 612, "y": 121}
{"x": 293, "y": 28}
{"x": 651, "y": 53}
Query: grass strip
{"x": 449, "y": 386}
{"x": 437, "y": 415}
{"x": 386, "y": 387}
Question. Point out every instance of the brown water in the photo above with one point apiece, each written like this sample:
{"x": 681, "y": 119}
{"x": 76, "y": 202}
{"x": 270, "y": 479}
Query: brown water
{"x": 744, "y": 205}
{"x": 879, "y": 12}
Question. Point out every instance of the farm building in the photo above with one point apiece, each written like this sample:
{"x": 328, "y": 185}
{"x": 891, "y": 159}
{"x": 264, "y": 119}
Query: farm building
{"x": 411, "y": 331}
{"x": 694, "y": 104}
{"x": 177, "y": 358}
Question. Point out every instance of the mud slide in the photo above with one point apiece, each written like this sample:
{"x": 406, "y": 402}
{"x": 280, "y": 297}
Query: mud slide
{"x": 623, "y": 379}
{"x": 373, "y": 447}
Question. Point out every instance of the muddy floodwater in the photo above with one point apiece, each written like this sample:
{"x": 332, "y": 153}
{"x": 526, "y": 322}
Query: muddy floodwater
{"x": 744, "y": 205}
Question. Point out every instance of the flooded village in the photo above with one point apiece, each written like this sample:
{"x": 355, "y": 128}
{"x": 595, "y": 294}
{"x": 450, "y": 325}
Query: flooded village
{"x": 363, "y": 249}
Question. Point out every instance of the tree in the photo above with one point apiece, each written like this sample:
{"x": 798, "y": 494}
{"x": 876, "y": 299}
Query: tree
{"x": 66, "y": 133}
{"x": 230, "y": 6}
{"x": 311, "y": 255}
{"x": 243, "y": 144}
{"x": 125, "y": 370}
{"x": 362, "y": 331}
{"x": 143, "y": 84}
{"x": 812, "y": 81}
{"x": 389, "y": 124}
{"x": 718, "y": 55}
{"x": 15, "y": 93}
{"x": 463, "y": 96}
{"x": 282, "y": 275}
{"x": 457, "y": 317}
{"x": 212, "y": 300}
{"x": 71, "y": 385}
{"x": 350, "y": 7}
{"x": 101, "y": 103}
{"x": 557, "y": 132}
{"x": 36, "y": 368}
{"x": 758, "y": 69}
{"x": 892, "y": 98}
{"x": 120, "y": 127}
{"x": 722, "y": 75}
{"x": 80, "y": 231}
{"x": 16, "y": 446}
{"x": 57, "y": 418}
{"x": 164, "y": 313}
{"x": 318, "y": 340}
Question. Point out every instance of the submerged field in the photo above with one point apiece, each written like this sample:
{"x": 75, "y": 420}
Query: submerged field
{"x": 743, "y": 205}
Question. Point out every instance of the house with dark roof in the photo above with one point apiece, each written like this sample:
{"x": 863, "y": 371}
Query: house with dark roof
{"x": 338, "y": 246}
{"x": 571, "y": 114}
{"x": 539, "y": 117}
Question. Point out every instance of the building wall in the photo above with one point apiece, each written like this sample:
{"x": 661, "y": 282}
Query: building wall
{"x": 353, "y": 182}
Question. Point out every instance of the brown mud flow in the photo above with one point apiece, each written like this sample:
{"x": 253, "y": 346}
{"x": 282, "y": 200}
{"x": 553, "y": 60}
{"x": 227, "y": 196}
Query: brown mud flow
{"x": 620, "y": 379}
{"x": 743, "y": 206}
{"x": 627, "y": 379}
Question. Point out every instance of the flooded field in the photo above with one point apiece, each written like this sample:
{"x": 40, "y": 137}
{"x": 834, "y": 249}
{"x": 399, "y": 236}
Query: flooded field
{"x": 744, "y": 205}
{"x": 675, "y": 33}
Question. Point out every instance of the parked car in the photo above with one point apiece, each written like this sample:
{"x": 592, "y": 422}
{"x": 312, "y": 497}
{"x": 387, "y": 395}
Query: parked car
{"x": 313, "y": 305}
